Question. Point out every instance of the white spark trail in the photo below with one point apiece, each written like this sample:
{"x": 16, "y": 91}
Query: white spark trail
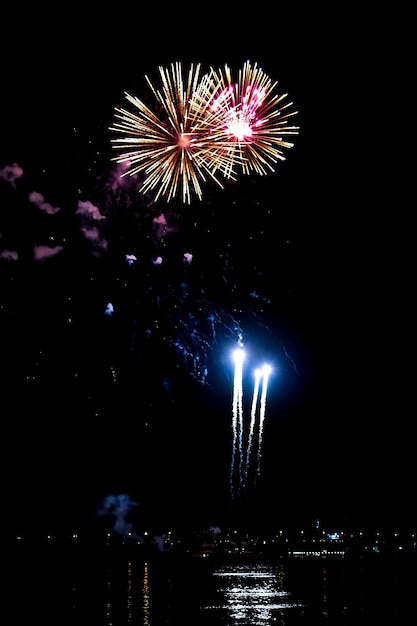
{"x": 237, "y": 415}
{"x": 266, "y": 370}
{"x": 240, "y": 464}
{"x": 252, "y": 424}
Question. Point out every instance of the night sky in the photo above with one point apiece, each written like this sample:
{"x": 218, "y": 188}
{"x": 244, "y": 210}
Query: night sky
{"x": 308, "y": 267}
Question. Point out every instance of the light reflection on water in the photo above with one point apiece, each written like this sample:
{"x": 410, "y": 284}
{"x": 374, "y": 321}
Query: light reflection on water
{"x": 252, "y": 594}
{"x": 79, "y": 589}
{"x": 145, "y": 595}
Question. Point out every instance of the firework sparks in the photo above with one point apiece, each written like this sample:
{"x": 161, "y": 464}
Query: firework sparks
{"x": 266, "y": 370}
{"x": 174, "y": 152}
{"x": 238, "y": 472}
{"x": 255, "y": 118}
{"x": 206, "y": 126}
{"x": 258, "y": 374}
{"x": 237, "y": 417}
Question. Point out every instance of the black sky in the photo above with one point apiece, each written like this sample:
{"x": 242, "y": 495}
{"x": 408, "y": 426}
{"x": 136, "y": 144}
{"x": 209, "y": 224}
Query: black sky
{"x": 90, "y": 408}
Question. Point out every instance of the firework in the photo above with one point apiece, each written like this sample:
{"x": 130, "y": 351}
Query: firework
{"x": 178, "y": 150}
{"x": 207, "y": 128}
{"x": 254, "y": 118}
{"x": 239, "y": 469}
